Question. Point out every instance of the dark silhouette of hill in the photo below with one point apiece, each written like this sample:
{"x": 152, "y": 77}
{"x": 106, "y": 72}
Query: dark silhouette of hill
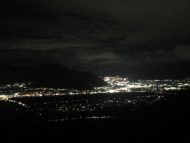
{"x": 160, "y": 71}
{"x": 49, "y": 75}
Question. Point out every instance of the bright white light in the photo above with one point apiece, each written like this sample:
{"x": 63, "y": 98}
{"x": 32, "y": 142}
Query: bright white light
{"x": 4, "y": 97}
{"x": 115, "y": 85}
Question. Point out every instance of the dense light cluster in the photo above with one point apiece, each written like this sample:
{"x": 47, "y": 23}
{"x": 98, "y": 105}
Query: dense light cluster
{"x": 115, "y": 85}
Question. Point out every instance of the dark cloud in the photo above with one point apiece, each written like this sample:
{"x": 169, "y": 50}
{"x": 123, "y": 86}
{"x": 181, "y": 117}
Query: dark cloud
{"x": 104, "y": 36}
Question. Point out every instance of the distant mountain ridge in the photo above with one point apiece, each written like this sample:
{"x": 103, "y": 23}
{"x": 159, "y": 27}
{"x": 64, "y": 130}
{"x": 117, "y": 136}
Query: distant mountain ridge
{"x": 49, "y": 75}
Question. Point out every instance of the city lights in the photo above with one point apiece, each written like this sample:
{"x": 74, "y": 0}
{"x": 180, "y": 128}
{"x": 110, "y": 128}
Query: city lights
{"x": 114, "y": 85}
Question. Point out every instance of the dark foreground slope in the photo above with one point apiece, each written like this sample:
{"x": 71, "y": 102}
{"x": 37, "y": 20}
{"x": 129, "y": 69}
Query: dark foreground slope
{"x": 49, "y": 75}
{"x": 166, "y": 119}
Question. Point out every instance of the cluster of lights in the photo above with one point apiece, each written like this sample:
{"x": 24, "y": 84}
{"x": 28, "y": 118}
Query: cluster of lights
{"x": 118, "y": 84}
{"x": 86, "y": 105}
{"x": 89, "y": 104}
{"x": 73, "y": 108}
{"x": 80, "y": 117}
{"x": 115, "y": 85}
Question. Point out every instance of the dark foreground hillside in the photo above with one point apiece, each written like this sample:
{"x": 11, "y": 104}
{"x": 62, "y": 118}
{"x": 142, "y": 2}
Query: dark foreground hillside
{"x": 166, "y": 119}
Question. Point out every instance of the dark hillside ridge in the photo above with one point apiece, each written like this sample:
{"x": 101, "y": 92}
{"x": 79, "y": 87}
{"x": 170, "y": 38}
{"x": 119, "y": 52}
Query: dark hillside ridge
{"x": 49, "y": 75}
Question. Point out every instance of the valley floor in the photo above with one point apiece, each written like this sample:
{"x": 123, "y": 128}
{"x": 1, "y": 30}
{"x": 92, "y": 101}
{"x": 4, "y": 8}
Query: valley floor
{"x": 166, "y": 118}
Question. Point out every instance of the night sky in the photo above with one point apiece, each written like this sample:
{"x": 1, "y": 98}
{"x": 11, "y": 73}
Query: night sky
{"x": 125, "y": 37}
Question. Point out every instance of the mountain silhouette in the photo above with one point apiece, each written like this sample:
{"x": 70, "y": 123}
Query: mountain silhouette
{"x": 49, "y": 75}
